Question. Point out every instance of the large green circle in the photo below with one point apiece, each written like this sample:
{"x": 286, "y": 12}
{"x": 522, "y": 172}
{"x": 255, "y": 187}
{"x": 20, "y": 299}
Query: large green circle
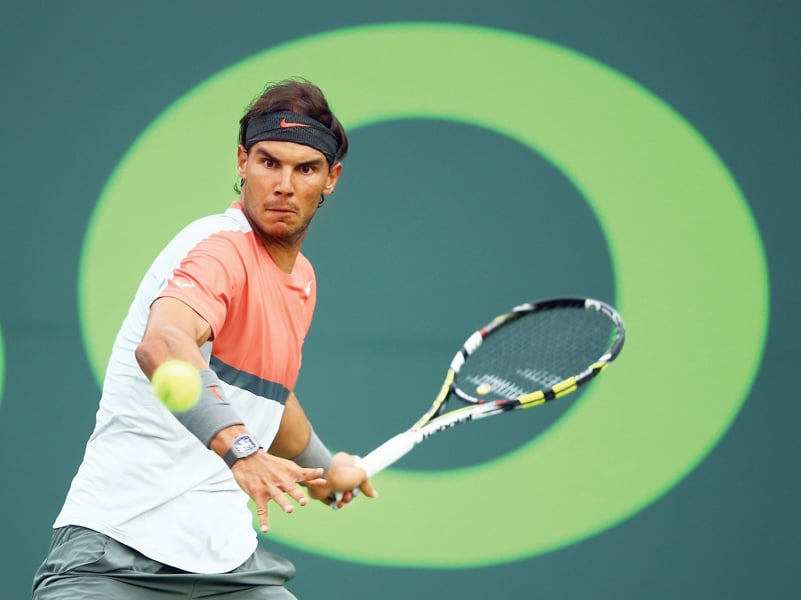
{"x": 687, "y": 256}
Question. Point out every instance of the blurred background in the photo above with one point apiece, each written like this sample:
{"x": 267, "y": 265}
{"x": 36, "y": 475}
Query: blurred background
{"x": 642, "y": 153}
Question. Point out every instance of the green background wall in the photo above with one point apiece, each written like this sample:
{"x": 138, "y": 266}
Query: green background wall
{"x": 84, "y": 80}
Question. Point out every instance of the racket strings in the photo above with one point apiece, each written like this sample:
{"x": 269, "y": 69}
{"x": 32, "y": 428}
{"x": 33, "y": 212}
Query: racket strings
{"x": 535, "y": 352}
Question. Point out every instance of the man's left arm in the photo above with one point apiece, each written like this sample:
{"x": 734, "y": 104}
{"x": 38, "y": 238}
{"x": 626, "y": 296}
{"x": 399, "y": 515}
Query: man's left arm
{"x": 297, "y": 441}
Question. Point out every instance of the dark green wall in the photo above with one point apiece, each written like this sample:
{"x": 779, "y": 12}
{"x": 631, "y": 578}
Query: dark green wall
{"x": 83, "y": 80}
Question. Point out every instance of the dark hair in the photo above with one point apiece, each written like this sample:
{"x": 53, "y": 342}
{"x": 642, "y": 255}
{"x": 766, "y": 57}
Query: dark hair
{"x": 300, "y": 96}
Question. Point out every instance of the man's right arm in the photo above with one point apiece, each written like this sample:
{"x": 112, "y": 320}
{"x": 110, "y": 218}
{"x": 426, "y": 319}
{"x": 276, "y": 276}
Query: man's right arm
{"x": 175, "y": 331}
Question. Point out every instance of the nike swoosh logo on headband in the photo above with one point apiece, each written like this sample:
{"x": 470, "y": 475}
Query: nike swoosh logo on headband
{"x": 284, "y": 123}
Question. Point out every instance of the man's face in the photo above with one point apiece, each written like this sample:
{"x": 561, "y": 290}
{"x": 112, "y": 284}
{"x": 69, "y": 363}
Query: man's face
{"x": 283, "y": 182}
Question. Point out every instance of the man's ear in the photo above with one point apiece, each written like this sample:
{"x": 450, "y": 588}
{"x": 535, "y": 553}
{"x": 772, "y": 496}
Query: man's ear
{"x": 241, "y": 160}
{"x": 333, "y": 176}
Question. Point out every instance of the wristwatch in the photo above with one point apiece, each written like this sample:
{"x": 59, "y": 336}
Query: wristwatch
{"x": 241, "y": 447}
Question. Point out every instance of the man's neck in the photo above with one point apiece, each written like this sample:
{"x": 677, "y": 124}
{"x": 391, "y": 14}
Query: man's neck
{"x": 283, "y": 254}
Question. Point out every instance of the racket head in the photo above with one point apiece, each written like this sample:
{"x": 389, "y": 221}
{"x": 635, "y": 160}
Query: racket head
{"x": 537, "y": 352}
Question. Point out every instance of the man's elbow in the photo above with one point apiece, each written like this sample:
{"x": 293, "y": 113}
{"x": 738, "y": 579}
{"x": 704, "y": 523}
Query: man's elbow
{"x": 147, "y": 354}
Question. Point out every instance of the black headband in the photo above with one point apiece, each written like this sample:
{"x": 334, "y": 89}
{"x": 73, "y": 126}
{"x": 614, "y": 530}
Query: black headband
{"x": 288, "y": 126}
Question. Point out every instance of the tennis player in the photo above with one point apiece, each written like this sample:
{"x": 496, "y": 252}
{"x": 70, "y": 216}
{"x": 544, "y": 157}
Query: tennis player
{"x": 159, "y": 505}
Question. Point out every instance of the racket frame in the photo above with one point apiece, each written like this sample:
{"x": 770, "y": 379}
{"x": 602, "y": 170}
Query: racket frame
{"x": 562, "y": 388}
{"x": 435, "y": 420}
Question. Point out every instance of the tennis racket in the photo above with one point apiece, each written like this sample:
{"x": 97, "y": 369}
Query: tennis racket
{"x": 533, "y": 354}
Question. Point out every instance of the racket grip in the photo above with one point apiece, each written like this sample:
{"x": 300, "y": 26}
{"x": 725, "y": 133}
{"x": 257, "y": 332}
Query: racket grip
{"x": 389, "y": 452}
{"x": 383, "y": 456}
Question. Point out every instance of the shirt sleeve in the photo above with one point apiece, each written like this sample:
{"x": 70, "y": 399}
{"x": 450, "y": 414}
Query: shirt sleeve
{"x": 207, "y": 278}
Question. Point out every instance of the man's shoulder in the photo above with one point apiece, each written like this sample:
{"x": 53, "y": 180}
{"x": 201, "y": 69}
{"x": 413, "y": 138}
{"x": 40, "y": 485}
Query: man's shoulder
{"x": 230, "y": 220}
{"x": 227, "y": 228}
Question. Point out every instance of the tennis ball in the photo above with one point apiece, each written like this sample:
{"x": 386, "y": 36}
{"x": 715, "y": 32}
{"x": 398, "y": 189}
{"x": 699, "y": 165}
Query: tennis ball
{"x": 177, "y": 384}
{"x": 484, "y": 389}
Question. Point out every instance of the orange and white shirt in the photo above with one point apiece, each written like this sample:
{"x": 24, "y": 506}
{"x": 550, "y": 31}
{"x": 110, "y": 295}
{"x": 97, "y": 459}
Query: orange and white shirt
{"x": 145, "y": 480}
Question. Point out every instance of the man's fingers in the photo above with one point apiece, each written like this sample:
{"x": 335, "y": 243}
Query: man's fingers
{"x": 368, "y": 490}
{"x": 278, "y": 484}
{"x": 298, "y": 494}
{"x": 279, "y": 497}
{"x": 277, "y": 494}
{"x": 264, "y": 521}
{"x": 308, "y": 475}
{"x": 346, "y": 497}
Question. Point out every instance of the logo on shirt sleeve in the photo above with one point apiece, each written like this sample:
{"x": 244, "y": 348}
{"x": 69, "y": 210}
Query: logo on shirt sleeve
{"x": 183, "y": 283}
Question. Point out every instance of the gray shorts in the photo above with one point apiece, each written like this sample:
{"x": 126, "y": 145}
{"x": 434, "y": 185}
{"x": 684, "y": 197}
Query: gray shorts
{"x": 86, "y": 564}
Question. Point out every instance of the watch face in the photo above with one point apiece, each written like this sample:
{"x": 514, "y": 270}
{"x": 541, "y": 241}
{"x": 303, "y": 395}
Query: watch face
{"x": 245, "y": 445}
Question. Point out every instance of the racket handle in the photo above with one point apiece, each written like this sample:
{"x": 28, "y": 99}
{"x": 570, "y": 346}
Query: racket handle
{"x": 383, "y": 456}
{"x": 390, "y": 451}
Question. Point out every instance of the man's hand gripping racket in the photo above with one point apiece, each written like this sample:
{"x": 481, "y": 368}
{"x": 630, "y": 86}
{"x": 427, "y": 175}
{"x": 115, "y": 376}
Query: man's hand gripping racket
{"x": 528, "y": 356}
